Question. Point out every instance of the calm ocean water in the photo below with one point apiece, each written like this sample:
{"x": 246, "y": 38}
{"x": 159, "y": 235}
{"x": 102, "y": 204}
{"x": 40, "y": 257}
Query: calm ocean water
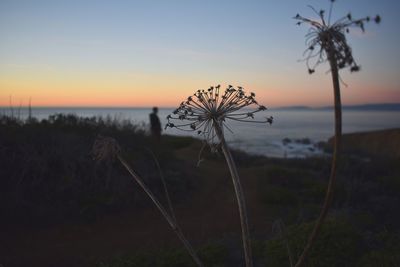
{"x": 264, "y": 139}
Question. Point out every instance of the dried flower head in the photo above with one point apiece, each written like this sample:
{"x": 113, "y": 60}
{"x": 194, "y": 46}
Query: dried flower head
{"x": 326, "y": 40}
{"x": 209, "y": 108}
{"x": 105, "y": 148}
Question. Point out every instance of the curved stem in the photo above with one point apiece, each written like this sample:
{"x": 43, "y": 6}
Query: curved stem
{"x": 171, "y": 208}
{"x": 335, "y": 158}
{"x": 239, "y": 196}
{"x": 175, "y": 227}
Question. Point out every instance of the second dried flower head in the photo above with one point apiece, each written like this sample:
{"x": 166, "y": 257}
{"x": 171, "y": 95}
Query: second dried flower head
{"x": 326, "y": 39}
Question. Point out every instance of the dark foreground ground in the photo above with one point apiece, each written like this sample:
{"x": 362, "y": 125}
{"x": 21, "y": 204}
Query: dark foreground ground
{"x": 59, "y": 207}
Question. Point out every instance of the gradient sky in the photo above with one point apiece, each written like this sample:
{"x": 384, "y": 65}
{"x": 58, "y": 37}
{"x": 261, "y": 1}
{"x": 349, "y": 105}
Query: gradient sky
{"x": 145, "y": 53}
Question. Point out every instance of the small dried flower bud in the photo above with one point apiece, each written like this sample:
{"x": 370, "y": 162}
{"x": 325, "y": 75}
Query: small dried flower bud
{"x": 349, "y": 16}
{"x": 170, "y": 125}
{"x": 355, "y": 68}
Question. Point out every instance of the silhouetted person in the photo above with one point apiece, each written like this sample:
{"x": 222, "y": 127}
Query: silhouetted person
{"x": 155, "y": 124}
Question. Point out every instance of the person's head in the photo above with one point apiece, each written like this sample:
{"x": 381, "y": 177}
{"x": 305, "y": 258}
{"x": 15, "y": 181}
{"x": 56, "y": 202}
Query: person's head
{"x": 155, "y": 109}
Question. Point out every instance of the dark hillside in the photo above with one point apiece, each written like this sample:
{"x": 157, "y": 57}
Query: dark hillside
{"x": 59, "y": 207}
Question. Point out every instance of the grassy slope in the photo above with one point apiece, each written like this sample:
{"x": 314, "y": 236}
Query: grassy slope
{"x": 382, "y": 143}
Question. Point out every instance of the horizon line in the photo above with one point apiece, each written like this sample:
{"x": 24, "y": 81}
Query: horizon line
{"x": 171, "y": 107}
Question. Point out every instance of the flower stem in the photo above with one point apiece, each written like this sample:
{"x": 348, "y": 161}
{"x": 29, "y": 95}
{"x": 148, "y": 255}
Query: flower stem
{"x": 239, "y": 196}
{"x": 171, "y": 209}
{"x": 335, "y": 158}
{"x": 175, "y": 227}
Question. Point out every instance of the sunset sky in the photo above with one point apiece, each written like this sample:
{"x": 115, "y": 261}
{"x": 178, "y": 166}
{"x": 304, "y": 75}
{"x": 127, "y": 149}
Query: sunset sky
{"x": 145, "y": 53}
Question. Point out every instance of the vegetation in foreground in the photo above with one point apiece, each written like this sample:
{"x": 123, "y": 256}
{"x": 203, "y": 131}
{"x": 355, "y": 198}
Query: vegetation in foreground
{"x": 62, "y": 208}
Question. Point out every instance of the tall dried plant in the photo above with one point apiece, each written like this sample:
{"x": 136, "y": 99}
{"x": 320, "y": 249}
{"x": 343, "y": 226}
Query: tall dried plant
{"x": 106, "y": 148}
{"x": 327, "y": 41}
{"x": 206, "y": 113}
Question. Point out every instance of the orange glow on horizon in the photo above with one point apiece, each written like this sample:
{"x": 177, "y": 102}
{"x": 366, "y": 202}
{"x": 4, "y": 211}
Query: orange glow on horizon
{"x": 50, "y": 88}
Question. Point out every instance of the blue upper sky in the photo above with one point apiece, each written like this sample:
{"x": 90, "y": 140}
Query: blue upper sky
{"x": 246, "y": 42}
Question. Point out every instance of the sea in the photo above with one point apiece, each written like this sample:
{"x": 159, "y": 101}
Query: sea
{"x": 293, "y": 133}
